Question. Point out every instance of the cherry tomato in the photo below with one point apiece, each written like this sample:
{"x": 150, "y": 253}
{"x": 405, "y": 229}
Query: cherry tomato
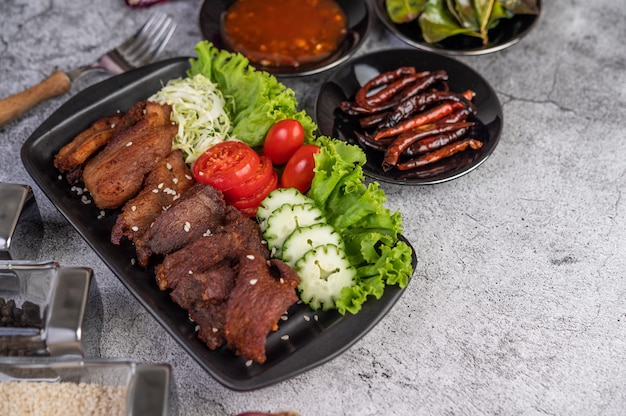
{"x": 298, "y": 172}
{"x": 250, "y": 204}
{"x": 259, "y": 180}
{"x": 226, "y": 164}
{"x": 282, "y": 140}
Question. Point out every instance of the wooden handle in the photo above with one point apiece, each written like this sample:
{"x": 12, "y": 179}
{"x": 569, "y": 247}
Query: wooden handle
{"x": 56, "y": 84}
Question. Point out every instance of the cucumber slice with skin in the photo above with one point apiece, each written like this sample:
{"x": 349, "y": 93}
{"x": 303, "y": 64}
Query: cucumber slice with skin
{"x": 324, "y": 272}
{"x": 277, "y": 198}
{"x": 303, "y": 239}
{"x": 283, "y": 221}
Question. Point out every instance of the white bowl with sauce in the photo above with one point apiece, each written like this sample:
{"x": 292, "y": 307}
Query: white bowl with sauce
{"x": 357, "y": 25}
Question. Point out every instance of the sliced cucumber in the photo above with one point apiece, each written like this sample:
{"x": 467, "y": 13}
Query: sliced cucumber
{"x": 304, "y": 239}
{"x": 283, "y": 221}
{"x": 324, "y": 272}
{"x": 277, "y": 198}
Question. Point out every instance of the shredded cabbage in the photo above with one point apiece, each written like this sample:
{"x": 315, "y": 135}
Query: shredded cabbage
{"x": 199, "y": 109}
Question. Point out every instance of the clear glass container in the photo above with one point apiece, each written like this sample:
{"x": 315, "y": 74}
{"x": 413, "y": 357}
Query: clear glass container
{"x": 76, "y": 386}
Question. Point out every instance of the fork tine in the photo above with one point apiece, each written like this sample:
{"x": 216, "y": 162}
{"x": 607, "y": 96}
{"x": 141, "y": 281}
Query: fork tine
{"x": 151, "y": 44}
{"x": 141, "y": 32}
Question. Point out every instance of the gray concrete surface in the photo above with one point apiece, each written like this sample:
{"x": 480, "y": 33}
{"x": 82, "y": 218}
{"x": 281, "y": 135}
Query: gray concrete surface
{"x": 518, "y": 302}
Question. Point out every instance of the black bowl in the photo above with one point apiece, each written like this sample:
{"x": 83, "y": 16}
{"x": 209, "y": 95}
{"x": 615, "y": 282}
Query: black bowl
{"x": 343, "y": 84}
{"x": 507, "y": 33}
{"x": 359, "y": 22}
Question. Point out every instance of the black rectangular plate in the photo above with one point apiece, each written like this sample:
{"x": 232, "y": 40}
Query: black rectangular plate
{"x": 314, "y": 337}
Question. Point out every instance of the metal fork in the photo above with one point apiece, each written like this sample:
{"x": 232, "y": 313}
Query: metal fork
{"x": 139, "y": 49}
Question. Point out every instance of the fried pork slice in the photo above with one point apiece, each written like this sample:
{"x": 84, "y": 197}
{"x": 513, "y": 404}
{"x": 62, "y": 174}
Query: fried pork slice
{"x": 169, "y": 179}
{"x": 117, "y": 172}
{"x": 209, "y": 251}
{"x": 74, "y": 154}
{"x": 198, "y": 211}
{"x": 204, "y": 295}
{"x": 209, "y": 320}
{"x": 256, "y": 303}
{"x": 154, "y": 113}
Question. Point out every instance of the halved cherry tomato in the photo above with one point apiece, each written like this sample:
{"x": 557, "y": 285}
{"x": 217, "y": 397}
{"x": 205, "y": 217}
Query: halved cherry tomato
{"x": 298, "y": 172}
{"x": 226, "y": 164}
{"x": 282, "y": 140}
{"x": 259, "y": 180}
{"x": 250, "y": 204}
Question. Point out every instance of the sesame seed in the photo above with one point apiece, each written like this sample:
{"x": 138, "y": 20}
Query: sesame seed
{"x": 253, "y": 281}
{"x": 160, "y": 186}
{"x": 155, "y": 191}
{"x": 284, "y": 318}
{"x": 248, "y": 363}
{"x": 134, "y": 228}
{"x": 285, "y": 337}
{"x": 133, "y": 208}
{"x": 282, "y": 281}
{"x": 168, "y": 165}
{"x": 188, "y": 177}
{"x": 197, "y": 328}
{"x": 307, "y": 318}
{"x": 113, "y": 125}
{"x": 250, "y": 257}
{"x": 214, "y": 330}
{"x": 175, "y": 181}
{"x": 207, "y": 233}
{"x": 190, "y": 272}
{"x": 187, "y": 226}
{"x": 60, "y": 177}
{"x": 133, "y": 261}
{"x": 85, "y": 200}
{"x": 129, "y": 144}
{"x": 317, "y": 318}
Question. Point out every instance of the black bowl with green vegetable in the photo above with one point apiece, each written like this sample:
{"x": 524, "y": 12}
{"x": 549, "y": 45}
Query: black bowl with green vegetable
{"x": 459, "y": 27}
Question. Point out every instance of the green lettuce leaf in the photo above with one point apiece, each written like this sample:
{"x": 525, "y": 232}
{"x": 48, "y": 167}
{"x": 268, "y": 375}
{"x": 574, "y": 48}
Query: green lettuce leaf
{"x": 438, "y": 23}
{"x": 255, "y": 99}
{"x": 370, "y": 230}
{"x": 441, "y": 19}
{"x": 521, "y": 6}
{"x": 404, "y": 11}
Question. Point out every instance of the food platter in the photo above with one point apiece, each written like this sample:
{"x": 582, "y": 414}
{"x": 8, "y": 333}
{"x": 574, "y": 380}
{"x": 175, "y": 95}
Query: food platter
{"x": 314, "y": 337}
{"x": 506, "y": 34}
{"x": 358, "y": 20}
{"x": 345, "y": 81}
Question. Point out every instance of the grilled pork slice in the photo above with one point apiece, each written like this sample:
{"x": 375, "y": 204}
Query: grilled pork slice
{"x": 202, "y": 274}
{"x": 167, "y": 182}
{"x": 204, "y": 296}
{"x": 117, "y": 172}
{"x": 198, "y": 211}
{"x": 256, "y": 303}
{"x": 74, "y": 154}
{"x": 211, "y": 250}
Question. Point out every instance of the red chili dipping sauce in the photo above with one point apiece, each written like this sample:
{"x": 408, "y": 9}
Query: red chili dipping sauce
{"x": 284, "y": 32}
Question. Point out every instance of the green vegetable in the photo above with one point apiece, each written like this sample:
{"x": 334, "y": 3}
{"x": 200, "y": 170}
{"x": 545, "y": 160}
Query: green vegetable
{"x": 325, "y": 274}
{"x": 285, "y": 219}
{"x": 296, "y": 231}
{"x": 256, "y": 100}
{"x": 403, "y": 11}
{"x": 440, "y": 19}
{"x": 357, "y": 212}
{"x": 198, "y": 108}
{"x": 276, "y": 199}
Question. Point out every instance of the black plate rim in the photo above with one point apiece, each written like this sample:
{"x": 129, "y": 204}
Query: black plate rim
{"x": 385, "y": 59}
{"x": 76, "y": 114}
{"x": 528, "y": 22}
{"x": 357, "y": 34}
